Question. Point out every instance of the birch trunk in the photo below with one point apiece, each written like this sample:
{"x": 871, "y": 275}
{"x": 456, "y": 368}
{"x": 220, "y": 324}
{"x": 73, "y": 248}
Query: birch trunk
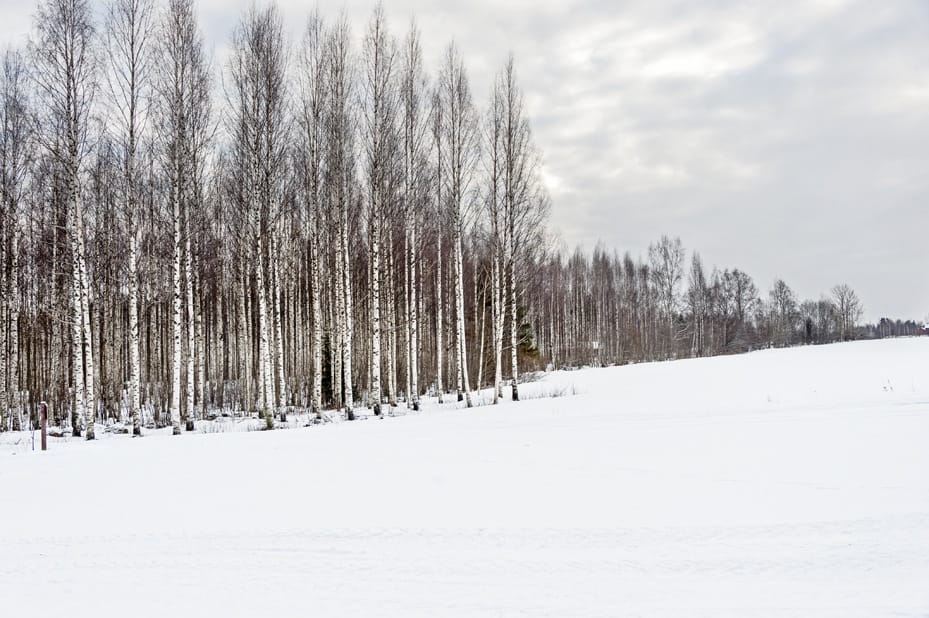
{"x": 347, "y": 319}
{"x": 135, "y": 403}
{"x": 317, "y": 330}
{"x": 190, "y": 318}
{"x": 77, "y": 356}
{"x": 87, "y": 347}
{"x": 13, "y": 332}
{"x": 407, "y": 321}
{"x": 336, "y": 348}
{"x": 176, "y": 318}
{"x": 460, "y": 317}
{"x": 514, "y": 325}
{"x": 375, "y": 301}
{"x": 279, "y": 339}
{"x": 391, "y": 326}
{"x": 414, "y": 321}
{"x": 438, "y": 316}
{"x": 4, "y": 398}
{"x": 498, "y": 311}
{"x": 266, "y": 388}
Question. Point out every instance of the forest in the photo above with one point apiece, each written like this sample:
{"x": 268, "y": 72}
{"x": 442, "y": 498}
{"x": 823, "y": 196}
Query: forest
{"x": 310, "y": 226}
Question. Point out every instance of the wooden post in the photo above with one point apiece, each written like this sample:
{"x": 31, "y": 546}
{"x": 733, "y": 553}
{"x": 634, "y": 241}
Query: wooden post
{"x": 43, "y": 419}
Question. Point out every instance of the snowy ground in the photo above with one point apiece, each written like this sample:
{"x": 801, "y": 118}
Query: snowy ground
{"x": 779, "y": 483}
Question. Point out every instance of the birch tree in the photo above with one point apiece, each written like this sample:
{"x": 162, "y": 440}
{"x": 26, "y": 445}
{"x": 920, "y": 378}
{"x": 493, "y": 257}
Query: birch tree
{"x": 340, "y": 196}
{"x": 64, "y": 57}
{"x": 311, "y": 162}
{"x": 413, "y": 103}
{"x": 667, "y": 268}
{"x": 259, "y": 125}
{"x": 524, "y": 207}
{"x": 698, "y": 301}
{"x": 379, "y": 125}
{"x": 438, "y": 138}
{"x": 494, "y": 201}
{"x": 518, "y": 208}
{"x": 183, "y": 94}
{"x": 129, "y": 39}
{"x": 459, "y": 129}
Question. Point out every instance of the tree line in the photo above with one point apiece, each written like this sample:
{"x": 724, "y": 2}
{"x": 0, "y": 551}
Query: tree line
{"x": 607, "y": 308}
{"x": 313, "y": 226}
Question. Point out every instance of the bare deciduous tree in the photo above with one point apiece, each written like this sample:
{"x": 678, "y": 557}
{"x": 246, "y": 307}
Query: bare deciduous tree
{"x": 64, "y": 55}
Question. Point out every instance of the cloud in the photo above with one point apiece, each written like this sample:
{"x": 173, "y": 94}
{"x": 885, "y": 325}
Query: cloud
{"x": 785, "y": 138}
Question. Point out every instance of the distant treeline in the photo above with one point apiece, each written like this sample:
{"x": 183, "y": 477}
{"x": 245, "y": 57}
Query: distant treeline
{"x": 606, "y": 308}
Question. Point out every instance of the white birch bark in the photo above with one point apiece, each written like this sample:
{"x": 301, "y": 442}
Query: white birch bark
{"x": 498, "y": 311}
{"x": 375, "y": 301}
{"x": 514, "y": 324}
{"x": 391, "y": 326}
{"x": 175, "y": 409}
{"x": 317, "y": 329}
{"x": 77, "y": 335}
{"x": 13, "y": 333}
{"x": 4, "y": 397}
{"x": 440, "y": 351}
{"x": 190, "y": 325}
{"x": 87, "y": 351}
{"x": 348, "y": 325}
{"x": 266, "y": 388}
{"x": 414, "y": 320}
{"x": 135, "y": 399}
{"x": 243, "y": 347}
{"x": 408, "y": 315}
{"x": 279, "y": 340}
{"x": 460, "y": 318}
{"x": 337, "y": 348}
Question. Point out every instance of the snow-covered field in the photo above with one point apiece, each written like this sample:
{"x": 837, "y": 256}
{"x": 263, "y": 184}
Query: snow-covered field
{"x": 778, "y": 483}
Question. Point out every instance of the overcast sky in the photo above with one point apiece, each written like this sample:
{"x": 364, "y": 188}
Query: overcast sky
{"x": 789, "y": 139}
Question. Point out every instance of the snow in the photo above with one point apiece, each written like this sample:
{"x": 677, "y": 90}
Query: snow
{"x": 778, "y": 483}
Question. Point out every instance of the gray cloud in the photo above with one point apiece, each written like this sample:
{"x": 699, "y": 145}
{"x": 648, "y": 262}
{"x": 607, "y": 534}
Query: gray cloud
{"x": 786, "y": 138}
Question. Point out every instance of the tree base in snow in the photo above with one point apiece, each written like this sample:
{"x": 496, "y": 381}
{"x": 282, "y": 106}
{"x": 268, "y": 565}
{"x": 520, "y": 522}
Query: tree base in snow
{"x": 189, "y": 426}
{"x": 136, "y": 431}
{"x": 515, "y": 393}
{"x": 460, "y": 396}
{"x": 349, "y": 414}
{"x": 76, "y": 432}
